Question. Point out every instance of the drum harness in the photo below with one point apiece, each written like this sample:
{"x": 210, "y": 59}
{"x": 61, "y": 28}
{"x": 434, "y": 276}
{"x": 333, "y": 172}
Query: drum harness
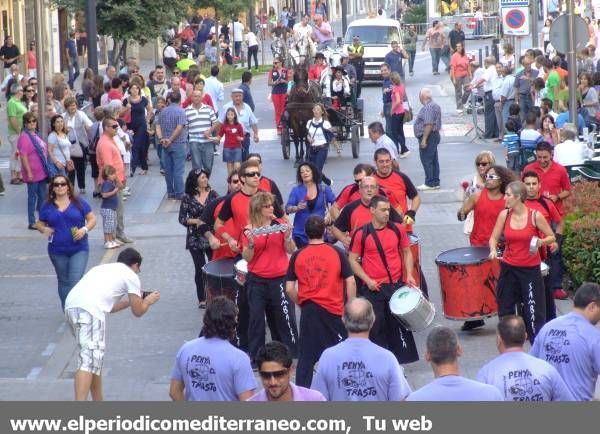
{"x": 368, "y": 229}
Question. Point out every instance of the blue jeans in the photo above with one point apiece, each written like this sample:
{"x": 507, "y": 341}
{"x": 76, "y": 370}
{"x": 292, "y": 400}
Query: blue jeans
{"x": 245, "y": 146}
{"x": 73, "y": 72}
{"x": 429, "y": 159}
{"x": 69, "y": 270}
{"x": 387, "y": 114}
{"x": 318, "y": 157}
{"x": 36, "y": 195}
{"x": 203, "y": 155}
{"x": 173, "y": 159}
{"x": 159, "y": 152}
{"x": 436, "y": 54}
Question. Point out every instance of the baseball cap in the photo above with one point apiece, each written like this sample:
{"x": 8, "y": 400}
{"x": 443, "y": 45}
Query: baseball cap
{"x": 237, "y": 90}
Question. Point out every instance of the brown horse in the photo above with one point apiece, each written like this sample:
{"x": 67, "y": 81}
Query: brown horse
{"x": 300, "y": 102}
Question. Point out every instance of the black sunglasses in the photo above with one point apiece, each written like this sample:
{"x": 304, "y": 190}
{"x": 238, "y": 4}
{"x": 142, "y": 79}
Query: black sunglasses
{"x": 252, "y": 174}
{"x": 273, "y": 374}
{"x": 59, "y": 184}
{"x": 483, "y": 164}
{"x": 114, "y": 126}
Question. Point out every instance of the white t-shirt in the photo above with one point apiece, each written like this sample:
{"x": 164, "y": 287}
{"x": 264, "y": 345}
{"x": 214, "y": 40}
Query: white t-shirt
{"x": 489, "y": 75}
{"x": 316, "y": 133}
{"x": 238, "y": 31}
{"x": 251, "y": 39}
{"x": 101, "y": 287}
{"x": 387, "y": 143}
{"x": 569, "y": 152}
{"x": 302, "y": 30}
{"x": 61, "y": 147}
{"x": 170, "y": 52}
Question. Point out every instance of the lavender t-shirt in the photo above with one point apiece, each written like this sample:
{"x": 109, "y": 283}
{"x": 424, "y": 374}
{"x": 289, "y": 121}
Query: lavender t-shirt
{"x": 359, "y": 370}
{"x": 455, "y": 388}
{"x": 521, "y": 377}
{"x": 571, "y": 344}
{"x": 213, "y": 370}
{"x": 299, "y": 393}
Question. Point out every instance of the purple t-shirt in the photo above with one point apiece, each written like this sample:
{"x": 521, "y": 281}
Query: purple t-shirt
{"x": 212, "y": 369}
{"x": 571, "y": 344}
{"x": 320, "y": 36}
{"x": 521, "y": 377}
{"x": 62, "y": 242}
{"x": 27, "y": 149}
{"x": 455, "y": 388}
{"x": 359, "y": 370}
{"x": 299, "y": 393}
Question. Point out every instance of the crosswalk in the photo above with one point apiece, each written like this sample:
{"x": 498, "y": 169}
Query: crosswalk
{"x": 4, "y": 163}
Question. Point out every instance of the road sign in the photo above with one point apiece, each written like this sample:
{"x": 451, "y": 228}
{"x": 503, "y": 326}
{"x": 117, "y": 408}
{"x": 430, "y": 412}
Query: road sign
{"x": 560, "y": 29}
{"x": 515, "y": 20}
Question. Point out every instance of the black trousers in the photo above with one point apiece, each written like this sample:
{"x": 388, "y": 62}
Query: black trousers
{"x": 253, "y": 52}
{"x": 199, "y": 258}
{"x": 94, "y": 166}
{"x": 387, "y": 331}
{"x": 489, "y": 112}
{"x": 79, "y": 163}
{"x": 398, "y": 133}
{"x": 522, "y": 286}
{"x": 267, "y": 296}
{"x": 319, "y": 330}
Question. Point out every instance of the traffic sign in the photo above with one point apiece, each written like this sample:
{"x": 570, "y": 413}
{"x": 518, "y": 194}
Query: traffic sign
{"x": 515, "y": 20}
{"x": 560, "y": 29}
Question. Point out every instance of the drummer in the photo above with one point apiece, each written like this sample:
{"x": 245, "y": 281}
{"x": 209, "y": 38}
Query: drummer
{"x": 322, "y": 271}
{"x": 266, "y": 184}
{"x": 486, "y": 206}
{"x": 384, "y": 249}
{"x": 267, "y": 257}
{"x": 357, "y": 213}
{"x": 546, "y": 207}
{"x": 520, "y": 281}
{"x": 351, "y": 192}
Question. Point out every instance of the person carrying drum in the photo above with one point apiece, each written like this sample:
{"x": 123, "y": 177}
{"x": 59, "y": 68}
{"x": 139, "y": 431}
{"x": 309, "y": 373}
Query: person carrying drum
{"x": 351, "y": 192}
{"x": 357, "y": 213}
{"x": 384, "y": 251}
{"x": 324, "y": 279}
{"x": 266, "y": 184}
{"x": 486, "y": 206}
{"x": 266, "y": 242}
{"x": 520, "y": 281}
{"x": 356, "y": 52}
{"x": 546, "y": 207}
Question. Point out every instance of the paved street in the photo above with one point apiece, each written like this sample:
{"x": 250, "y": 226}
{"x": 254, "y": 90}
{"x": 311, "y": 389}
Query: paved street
{"x": 36, "y": 346}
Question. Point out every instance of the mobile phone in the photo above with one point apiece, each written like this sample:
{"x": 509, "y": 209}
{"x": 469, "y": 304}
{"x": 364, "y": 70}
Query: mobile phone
{"x": 146, "y": 294}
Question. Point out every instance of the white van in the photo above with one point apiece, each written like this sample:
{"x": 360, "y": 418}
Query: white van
{"x": 376, "y": 35}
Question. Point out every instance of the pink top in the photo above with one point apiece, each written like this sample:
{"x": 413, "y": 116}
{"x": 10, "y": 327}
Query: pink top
{"x": 398, "y": 92}
{"x": 27, "y": 149}
{"x": 31, "y": 60}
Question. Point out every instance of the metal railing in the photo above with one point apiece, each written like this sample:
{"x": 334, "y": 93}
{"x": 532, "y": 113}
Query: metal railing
{"x": 490, "y": 26}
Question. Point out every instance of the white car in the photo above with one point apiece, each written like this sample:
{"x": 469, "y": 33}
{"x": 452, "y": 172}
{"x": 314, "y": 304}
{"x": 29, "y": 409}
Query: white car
{"x": 376, "y": 35}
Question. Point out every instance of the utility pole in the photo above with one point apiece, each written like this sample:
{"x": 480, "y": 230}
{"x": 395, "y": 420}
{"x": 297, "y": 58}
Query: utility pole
{"x": 344, "y": 18}
{"x": 41, "y": 68}
{"x": 572, "y": 62}
{"x": 534, "y": 22}
{"x": 91, "y": 29}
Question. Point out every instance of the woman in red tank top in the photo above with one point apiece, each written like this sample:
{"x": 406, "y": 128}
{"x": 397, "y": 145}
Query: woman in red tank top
{"x": 520, "y": 285}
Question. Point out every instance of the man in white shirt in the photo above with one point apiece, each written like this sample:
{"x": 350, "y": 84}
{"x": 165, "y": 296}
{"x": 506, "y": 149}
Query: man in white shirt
{"x": 381, "y": 140}
{"x": 507, "y": 93}
{"x": 238, "y": 37}
{"x": 487, "y": 79}
{"x": 497, "y": 84}
{"x": 214, "y": 88}
{"x": 106, "y": 288}
{"x": 570, "y": 151}
{"x": 302, "y": 29}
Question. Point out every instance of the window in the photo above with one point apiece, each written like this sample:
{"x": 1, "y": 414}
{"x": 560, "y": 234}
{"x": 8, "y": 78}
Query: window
{"x": 373, "y": 34}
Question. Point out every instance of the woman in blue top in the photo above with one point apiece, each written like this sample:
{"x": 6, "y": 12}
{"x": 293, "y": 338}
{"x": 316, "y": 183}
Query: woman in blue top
{"x": 309, "y": 197}
{"x": 66, "y": 220}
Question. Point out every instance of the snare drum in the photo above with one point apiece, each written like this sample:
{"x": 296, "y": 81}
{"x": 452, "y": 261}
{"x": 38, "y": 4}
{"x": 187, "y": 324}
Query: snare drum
{"x": 218, "y": 279}
{"x": 411, "y": 308}
{"x": 241, "y": 270}
{"x": 545, "y": 269}
{"x": 468, "y": 281}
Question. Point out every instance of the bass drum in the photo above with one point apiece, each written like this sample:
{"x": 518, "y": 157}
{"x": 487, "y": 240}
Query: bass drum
{"x": 219, "y": 279}
{"x": 468, "y": 281}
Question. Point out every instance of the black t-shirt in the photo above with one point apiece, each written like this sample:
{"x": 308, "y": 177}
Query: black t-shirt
{"x": 9, "y": 53}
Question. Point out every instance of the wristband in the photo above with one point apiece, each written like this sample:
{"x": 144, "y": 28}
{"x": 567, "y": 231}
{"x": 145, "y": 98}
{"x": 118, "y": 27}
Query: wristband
{"x": 85, "y": 229}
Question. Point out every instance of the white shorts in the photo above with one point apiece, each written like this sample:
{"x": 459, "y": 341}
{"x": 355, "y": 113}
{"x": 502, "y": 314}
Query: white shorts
{"x": 89, "y": 332}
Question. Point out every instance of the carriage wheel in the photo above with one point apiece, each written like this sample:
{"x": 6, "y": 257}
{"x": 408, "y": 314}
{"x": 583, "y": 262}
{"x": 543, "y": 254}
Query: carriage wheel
{"x": 355, "y": 140}
{"x": 285, "y": 143}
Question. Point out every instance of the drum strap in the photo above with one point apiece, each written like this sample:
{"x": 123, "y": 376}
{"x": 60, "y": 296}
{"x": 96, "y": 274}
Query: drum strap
{"x": 368, "y": 229}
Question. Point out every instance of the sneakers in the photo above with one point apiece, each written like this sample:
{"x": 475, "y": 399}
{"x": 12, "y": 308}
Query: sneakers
{"x": 406, "y": 154}
{"x": 425, "y": 187}
{"x": 471, "y": 325}
{"x": 560, "y": 294}
{"x": 110, "y": 245}
{"x": 459, "y": 111}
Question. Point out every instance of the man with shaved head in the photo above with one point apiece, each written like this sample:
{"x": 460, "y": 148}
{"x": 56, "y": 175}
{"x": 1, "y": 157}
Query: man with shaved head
{"x": 427, "y": 126}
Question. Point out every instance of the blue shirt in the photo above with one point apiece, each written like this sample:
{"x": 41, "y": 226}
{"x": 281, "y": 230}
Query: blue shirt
{"x": 247, "y": 95}
{"x": 511, "y": 142}
{"x": 571, "y": 344}
{"x": 565, "y": 117}
{"x": 395, "y": 61}
{"x": 62, "y": 242}
{"x": 112, "y": 201}
{"x": 71, "y": 46}
{"x": 170, "y": 117}
{"x": 298, "y": 194}
{"x": 455, "y": 388}
{"x": 530, "y": 138}
{"x": 245, "y": 116}
{"x": 387, "y": 97}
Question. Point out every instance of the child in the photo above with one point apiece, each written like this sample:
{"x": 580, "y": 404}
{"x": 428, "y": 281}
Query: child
{"x": 530, "y": 136}
{"x": 511, "y": 144}
{"x": 514, "y": 113}
{"x": 234, "y": 136}
{"x": 108, "y": 208}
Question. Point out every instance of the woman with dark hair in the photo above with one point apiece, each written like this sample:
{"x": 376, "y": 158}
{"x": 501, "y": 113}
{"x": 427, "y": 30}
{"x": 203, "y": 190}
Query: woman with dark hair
{"x": 140, "y": 110}
{"x": 59, "y": 147}
{"x": 98, "y": 81}
{"x": 78, "y": 127}
{"x": 266, "y": 242}
{"x": 66, "y": 220}
{"x": 87, "y": 84}
{"x": 549, "y": 130}
{"x": 28, "y": 98}
{"x": 197, "y": 194}
{"x": 199, "y": 86}
{"x": 308, "y": 197}
{"x": 520, "y": 282}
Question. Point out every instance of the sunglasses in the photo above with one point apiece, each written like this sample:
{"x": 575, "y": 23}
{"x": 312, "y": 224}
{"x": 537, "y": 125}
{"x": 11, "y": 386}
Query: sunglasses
{"x": 114, "y": 126}
{"x": 28, "y": 90}
{"x": 176, "y": 72}
{"x": 273, "y": 374}
{"x": 492, "y": 177}
{"x": 33, "y": 121}
{"x": 59, "y": 184}
{"x": 252, "y": 174}
{"x": 235, "y": 181}
{"x": 483, "y": 164}
{"x": 268, "y": 206}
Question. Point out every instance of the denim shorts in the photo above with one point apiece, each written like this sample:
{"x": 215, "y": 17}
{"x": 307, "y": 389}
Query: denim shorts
{"x": 232, "y": 155}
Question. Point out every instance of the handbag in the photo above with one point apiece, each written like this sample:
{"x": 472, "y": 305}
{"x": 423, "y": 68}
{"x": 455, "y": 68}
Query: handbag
{"x": 69, "y": 166}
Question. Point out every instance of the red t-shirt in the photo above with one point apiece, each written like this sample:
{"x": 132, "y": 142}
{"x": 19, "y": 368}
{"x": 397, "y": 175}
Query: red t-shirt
{"x": 270, "y": 258}
{"x": 516, "y": 252}
{"x": 553, "y": 180}
{"x": 314, "y": 73}
{"x": 268, "y": 185}
{"x": 320, "y": 270}
{"x": 206, "y": 99}
{"x": 231, "y": 133}
{"x": 549, "y": 211}
{"x": 209, "y": 216}
{"x": 371, "y": 260}
{"x": 357, "y": 214}
{"x": 485, "y": 216}
{"x": 351, "y": 192}
{"x": 398, "y": 186}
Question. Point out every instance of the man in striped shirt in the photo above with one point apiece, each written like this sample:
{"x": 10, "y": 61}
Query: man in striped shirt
{"x": 202, "y": 124}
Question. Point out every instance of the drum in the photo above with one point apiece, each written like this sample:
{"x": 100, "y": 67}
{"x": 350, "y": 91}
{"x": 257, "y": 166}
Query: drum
{"x": 411, "y": 308}
{"x": 468, "y": 281}
{"x": 218, "y": 279}
{"x": 241, "y": 270}
{"x": 545, "y": 269}
{"x": 416, "y": 252}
